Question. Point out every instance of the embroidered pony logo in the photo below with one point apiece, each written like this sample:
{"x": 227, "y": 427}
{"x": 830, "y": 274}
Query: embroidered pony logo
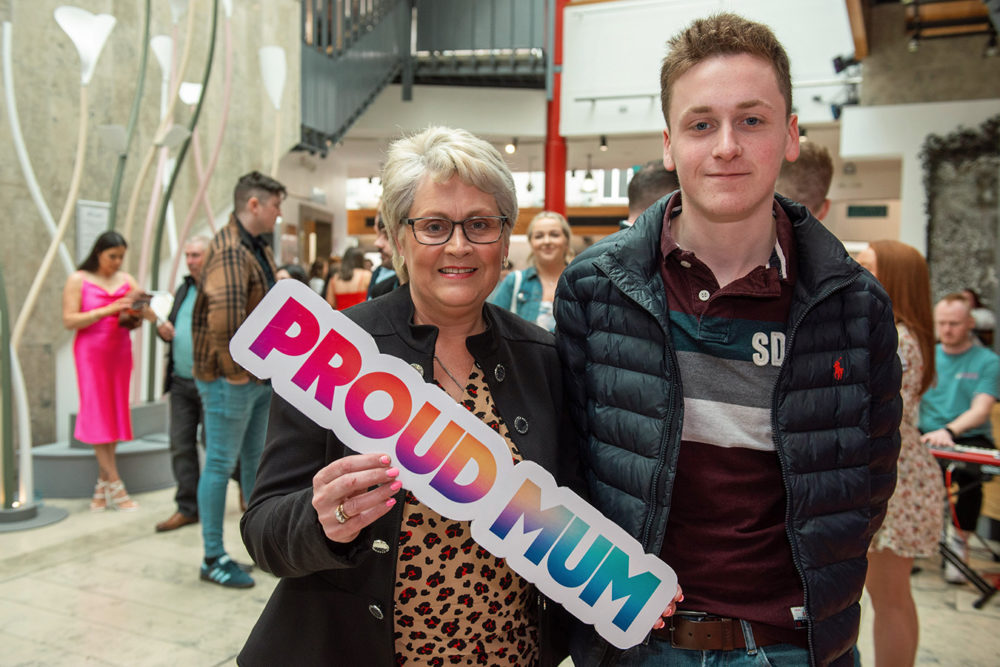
{"x": 838, "y": 370}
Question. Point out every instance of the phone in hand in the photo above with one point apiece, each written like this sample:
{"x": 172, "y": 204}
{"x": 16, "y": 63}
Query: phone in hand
{"x": 141, "y": 301}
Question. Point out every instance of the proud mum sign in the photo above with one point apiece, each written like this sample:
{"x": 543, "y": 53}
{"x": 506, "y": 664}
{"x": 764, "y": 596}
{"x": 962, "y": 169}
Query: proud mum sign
{"x": 331, "y": 370}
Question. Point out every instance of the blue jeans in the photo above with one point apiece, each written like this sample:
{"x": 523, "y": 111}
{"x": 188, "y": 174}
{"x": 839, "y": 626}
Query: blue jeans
{"x": 235, "y": 426}
{"x": 659, "y": 653}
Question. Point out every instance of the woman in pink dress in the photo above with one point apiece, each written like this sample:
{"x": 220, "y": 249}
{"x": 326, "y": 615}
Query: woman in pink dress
{"x": 349, "y": 285}
{"x": 914, "y": 517}
{"x": 102, "y": 303}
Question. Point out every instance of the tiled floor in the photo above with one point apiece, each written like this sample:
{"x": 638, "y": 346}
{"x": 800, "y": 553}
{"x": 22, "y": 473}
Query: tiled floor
{"x": 105, "y": 589}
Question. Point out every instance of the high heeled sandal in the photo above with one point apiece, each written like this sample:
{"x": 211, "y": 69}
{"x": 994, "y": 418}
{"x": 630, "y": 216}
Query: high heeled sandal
{"x": 99, "y": 501}
{"x": 118, "y": 497}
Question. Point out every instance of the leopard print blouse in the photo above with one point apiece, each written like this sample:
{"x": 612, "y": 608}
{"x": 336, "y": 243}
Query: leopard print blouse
{"x": 456, "y": 604}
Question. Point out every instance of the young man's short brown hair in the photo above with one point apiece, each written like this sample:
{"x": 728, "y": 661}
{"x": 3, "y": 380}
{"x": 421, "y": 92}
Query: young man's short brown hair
{"x": 807, "y": 180}
{"x": 255, "y": 184}
{"x": 723, "y": 34}
{"x": 651, "y": 182}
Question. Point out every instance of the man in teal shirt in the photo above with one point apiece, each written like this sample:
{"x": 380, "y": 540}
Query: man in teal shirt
{"x": 956, "y": 410}
{"x": 185, "y": 405}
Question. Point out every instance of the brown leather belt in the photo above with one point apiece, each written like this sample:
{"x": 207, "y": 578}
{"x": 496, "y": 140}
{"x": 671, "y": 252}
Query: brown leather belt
{"x": 713, "y": 634}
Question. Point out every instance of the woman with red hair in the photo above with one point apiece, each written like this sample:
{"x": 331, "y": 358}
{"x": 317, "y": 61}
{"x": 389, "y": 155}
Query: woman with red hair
{"x": 912, "y": 523}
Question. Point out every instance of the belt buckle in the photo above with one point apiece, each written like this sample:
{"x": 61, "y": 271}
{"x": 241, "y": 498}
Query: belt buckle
{"x": 670, "y": 629}
{"x": 726, "y": 628}
{"x": 690, "y": 617}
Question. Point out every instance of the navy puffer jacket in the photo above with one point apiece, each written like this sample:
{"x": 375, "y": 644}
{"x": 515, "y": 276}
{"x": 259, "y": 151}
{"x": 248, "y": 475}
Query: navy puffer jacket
{"x": 837, "y": 438}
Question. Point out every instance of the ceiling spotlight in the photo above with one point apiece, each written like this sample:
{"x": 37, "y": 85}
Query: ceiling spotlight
{"x": 511, "y": 147}
{"x": 604, "y": 137}
{"x": 840, "y": 63}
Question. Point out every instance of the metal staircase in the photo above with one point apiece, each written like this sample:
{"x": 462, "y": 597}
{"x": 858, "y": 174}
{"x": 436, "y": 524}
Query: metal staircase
{"x": 352, "y": 49}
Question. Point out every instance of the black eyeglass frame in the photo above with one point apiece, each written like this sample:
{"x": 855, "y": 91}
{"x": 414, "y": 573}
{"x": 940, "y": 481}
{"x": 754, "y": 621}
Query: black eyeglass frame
{"x": 458, "y": 223}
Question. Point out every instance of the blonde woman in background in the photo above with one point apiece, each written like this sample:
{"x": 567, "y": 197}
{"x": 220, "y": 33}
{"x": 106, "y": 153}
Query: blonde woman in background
{"x": 530, "y": 292}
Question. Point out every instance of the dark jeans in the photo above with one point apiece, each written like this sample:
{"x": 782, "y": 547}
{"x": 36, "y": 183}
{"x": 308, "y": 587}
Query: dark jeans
{"x": 185, "y": 415}
{"x": 970, "y": 500}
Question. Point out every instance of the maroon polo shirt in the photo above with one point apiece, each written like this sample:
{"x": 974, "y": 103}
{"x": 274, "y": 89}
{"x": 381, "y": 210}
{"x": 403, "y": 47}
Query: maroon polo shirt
{"x": 726, "y": 536}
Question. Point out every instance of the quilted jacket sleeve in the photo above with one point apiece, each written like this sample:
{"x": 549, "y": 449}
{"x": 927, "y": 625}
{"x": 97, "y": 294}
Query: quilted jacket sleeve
{"x": 571, "y": 340}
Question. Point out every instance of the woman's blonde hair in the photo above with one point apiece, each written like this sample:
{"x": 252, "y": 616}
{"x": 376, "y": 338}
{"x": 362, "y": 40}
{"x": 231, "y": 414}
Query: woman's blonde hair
{"x": 563, "y": 225}
{"x": 440, "y": 153}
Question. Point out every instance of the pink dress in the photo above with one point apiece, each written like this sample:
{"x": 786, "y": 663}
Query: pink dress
{"x": 103, "y": 354}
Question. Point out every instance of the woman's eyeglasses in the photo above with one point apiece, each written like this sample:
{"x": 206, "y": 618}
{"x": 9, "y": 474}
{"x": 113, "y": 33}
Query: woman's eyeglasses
{"x": 438, "y": 231}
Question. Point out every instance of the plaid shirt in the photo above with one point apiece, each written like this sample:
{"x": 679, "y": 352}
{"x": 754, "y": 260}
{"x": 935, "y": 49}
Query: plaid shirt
{"x": 233, "y": 282}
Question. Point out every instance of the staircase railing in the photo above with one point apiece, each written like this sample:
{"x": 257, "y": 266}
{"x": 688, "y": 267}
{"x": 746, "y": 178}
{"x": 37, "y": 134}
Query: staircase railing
{"x": 351, "y": 49}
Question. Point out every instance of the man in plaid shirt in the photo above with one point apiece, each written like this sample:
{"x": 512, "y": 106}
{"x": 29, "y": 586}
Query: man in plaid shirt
{"x": 239, "y": 269}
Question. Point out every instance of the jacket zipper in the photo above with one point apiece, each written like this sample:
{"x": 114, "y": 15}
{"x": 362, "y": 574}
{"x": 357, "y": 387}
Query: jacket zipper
{"x": 663, "y": 450}
{"x": 796, "y": 558}
{"x": 671, "y": 408}
{"x": 610, "y": 654}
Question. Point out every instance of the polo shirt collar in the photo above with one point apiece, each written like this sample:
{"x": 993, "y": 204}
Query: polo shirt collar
{"x": 780, "y": 254}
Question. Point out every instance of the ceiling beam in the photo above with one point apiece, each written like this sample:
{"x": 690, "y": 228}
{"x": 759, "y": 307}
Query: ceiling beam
{"x": 856, "y": 16}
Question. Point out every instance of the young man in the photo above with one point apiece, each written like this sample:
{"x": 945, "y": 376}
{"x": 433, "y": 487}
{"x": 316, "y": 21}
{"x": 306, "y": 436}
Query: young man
{"x": 807, "y": 179}
{"x": 384, "y": 278}
{"x": 734, "y": 378}
{"x": 239, "y": 269}
{"x": 649, "y": 184}
{"x": 956, "y": 410}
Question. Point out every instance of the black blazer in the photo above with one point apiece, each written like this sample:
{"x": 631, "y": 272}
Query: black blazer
{"x": 334, "y": 603}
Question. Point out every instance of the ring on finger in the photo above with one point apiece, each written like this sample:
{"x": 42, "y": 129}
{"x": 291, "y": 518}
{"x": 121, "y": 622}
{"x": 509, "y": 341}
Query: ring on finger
{"x": 341, "y": 514}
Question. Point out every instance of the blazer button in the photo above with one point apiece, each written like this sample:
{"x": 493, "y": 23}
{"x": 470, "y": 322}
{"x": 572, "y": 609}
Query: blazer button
{"x": 380, "y": 547}
{"x": 418, "y": 368}
{"x": 520, "y": 425}
{"x": 500, "y": 372}
{"x": 375, "y": 611}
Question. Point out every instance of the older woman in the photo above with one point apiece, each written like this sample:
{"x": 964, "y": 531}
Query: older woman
{"x": 370, "y": 575}
{"x": 530, "y": 292}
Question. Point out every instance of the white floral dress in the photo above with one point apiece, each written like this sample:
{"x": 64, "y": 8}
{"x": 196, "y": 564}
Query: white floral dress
{"x": 913, "y": 521}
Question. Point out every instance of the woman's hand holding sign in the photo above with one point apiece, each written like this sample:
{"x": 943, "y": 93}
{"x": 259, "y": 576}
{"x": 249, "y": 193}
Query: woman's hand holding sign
{"x": 671, "y": 608}
{"x": 352, "y": 493}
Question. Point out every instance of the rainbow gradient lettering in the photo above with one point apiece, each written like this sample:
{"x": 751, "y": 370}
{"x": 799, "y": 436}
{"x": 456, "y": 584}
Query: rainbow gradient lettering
{"x": 331, "y": 370}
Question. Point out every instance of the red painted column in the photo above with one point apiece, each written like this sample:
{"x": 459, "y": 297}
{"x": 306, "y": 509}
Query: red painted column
{"x": 555, "y": 144}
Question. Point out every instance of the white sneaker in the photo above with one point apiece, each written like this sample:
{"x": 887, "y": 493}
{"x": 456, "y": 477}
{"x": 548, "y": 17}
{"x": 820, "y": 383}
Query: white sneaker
{"x": 951, "y": 573}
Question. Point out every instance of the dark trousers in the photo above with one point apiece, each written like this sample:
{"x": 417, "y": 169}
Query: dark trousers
{"x": 185, "y": 415}
{"x": 970, "y": 500}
